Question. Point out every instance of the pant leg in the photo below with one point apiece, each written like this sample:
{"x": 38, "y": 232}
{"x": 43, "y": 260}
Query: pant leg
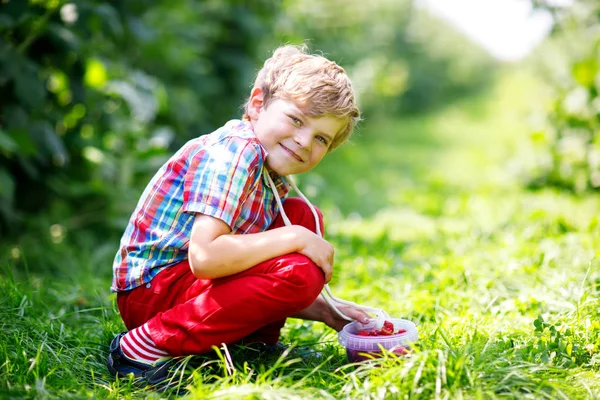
{"x": 298, "y": 213}
{"x": 186, "y": 315}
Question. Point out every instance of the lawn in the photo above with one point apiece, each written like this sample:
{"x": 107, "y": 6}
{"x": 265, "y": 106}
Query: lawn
{"x": 432, "y": 221}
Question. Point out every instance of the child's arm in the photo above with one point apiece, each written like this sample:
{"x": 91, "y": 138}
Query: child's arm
{"x": 214, "y": 253}
{"x": 319, "y": 310}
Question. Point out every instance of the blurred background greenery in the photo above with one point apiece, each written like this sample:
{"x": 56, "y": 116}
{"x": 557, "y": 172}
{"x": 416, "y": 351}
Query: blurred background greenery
{"x": 96, "y": 95}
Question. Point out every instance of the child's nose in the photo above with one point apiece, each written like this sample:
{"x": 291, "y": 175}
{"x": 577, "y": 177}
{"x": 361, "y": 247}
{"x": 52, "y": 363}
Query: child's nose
{"x": 303, "y": 138}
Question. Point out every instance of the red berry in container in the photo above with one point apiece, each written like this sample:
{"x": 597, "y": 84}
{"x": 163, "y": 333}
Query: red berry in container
{"x": 363, "y": 343}
{"x": 388, "y": 329}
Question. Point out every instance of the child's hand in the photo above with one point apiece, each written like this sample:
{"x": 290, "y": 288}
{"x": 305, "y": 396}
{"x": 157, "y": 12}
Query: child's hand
{"x": 332, "y": 319}
{"x": 317, "y": 249}
{"x": 319, "y": 310}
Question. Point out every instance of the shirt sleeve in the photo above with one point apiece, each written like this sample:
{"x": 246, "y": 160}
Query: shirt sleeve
{"x": 220, "y": 177}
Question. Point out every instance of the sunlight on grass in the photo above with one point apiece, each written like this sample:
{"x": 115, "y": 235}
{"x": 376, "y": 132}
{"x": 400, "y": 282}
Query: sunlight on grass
{"x": 431, "y": 222}
{"x": 455, "y": 243}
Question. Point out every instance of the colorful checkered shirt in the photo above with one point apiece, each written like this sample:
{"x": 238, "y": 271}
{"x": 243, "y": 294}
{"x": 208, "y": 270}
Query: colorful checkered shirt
{"x": 220, "y": 175}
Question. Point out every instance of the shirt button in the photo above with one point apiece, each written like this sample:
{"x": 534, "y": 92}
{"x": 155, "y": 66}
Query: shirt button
{"x": 148, "y": 285}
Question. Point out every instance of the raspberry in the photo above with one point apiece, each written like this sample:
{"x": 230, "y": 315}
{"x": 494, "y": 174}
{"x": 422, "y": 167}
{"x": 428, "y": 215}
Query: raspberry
{"x": 386, "y": 330}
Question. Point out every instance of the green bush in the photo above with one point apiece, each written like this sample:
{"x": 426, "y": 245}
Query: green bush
{"x": 95, "y": 94}
{"x": 568, "y": 144}
{"x": 402, "y": 59}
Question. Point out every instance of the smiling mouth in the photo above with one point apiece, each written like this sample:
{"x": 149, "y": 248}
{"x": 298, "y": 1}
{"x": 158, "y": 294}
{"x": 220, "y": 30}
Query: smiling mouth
{"x": 296, "y": 156}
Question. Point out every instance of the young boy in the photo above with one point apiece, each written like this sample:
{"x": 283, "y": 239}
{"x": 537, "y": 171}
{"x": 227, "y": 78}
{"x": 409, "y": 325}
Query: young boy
{"x": 206, "y": 258}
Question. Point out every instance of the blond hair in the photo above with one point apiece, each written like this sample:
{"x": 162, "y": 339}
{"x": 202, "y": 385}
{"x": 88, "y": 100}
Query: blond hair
{"x": 318, "y": 85}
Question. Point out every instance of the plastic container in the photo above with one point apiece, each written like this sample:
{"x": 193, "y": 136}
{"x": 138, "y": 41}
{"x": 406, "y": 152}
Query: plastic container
{"x": 360, "y": 348}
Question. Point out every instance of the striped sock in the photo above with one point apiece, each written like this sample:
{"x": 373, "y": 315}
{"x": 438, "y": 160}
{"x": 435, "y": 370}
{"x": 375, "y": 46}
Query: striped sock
{"x": 137, "y": 345}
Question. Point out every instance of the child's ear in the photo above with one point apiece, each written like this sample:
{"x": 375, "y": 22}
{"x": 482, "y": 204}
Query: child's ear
{"x": 256, "y": 103}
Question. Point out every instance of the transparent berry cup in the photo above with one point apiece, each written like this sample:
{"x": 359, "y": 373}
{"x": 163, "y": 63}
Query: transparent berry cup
{"x": 360, "y": 348}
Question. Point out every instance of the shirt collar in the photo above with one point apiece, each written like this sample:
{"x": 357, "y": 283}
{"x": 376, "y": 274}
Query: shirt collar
{"x": 281, "y": 182}
{"x": 246, "y": 127}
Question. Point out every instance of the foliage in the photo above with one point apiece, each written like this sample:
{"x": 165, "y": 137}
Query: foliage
{"x": 560, "y": 345}
{"x": 95, "y": 94}
{"x": 568, "y": 141}
{"x": 401, "y": 59}
{"x": 503, "y": 283}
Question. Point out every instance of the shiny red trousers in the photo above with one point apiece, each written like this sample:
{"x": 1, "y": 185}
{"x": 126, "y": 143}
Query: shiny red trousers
{"x": 187, "y": 315}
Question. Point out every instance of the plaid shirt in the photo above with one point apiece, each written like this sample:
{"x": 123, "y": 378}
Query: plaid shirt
{"x": 220, "y": 175}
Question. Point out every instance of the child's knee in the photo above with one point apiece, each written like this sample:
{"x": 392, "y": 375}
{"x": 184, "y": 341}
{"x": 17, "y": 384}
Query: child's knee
{"x": 307, "y": 280}
{"x": 300, "y": 213}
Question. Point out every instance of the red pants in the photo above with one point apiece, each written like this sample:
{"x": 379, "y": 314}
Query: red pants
{"x": 187, "y": 315}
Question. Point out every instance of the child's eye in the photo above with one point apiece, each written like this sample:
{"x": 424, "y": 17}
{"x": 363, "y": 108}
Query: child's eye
{"x": 322, "y": 139}
{"x": 295, "y": 121}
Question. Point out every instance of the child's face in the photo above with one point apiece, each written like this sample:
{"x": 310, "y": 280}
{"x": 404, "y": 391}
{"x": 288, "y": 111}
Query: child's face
{"x": 294, "y": 141}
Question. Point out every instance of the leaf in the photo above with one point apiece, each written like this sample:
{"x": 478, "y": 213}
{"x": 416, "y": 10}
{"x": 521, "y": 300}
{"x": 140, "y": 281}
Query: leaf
{"x": 25, "y": 145}
{"x": 95, "y": 74}
{"x": 110, "y": 17}
{"x": 139, "y": 98}
{"x": 29, "y": 89}
{"x": 7, "y": 185}
{"x": 69, "y": 41}
{"x": 584, "y": 72}
{"x": 58, "y": 150}
{"x": 15, "y": 116}
{"x": 30, "y": 169}
{"x": 141, "y": 31}
{"x": 6, "y": 21}
{"x": 539, "y": 137}
{"x": 538, "y": 323}
{"x": 17, "y": 10}
{"x": 7, "y": 143}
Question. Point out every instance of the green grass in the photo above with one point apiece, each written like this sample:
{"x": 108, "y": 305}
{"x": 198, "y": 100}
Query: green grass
{"x": 431, "y": 222}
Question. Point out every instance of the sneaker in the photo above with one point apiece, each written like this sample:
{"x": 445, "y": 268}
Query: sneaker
{"x": 121, "y": 366}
